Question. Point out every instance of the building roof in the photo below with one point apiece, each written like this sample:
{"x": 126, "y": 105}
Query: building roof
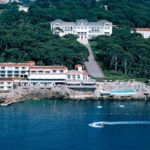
{"x": 48, "y": 67}
{"x": 78, "y": 65}
{"x": 11, "y": 64}
{"x": 77, "y": 72}
{"x": 141, "y": 29}
{"x": 74, "y": 72}
{"x": 81, "y": 22}
{"x": 4, "y": 1}
{"x": 14, "y": 64}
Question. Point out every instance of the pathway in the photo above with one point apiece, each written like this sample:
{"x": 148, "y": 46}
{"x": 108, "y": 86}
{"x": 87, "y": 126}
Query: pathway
{"x": 92, "y": 66}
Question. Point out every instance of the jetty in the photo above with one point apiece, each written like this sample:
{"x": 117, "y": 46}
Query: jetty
{"x": 8, "y": 102}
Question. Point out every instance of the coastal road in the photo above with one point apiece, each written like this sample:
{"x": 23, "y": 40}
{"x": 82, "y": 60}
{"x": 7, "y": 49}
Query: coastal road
{"x": 91, "y": 65}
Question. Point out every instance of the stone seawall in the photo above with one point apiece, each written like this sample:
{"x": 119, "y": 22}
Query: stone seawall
{"x": 21, "y": 94}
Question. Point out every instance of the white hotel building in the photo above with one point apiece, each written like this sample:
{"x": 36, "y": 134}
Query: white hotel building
{"x": 82, "y": 28}
{"x": 28, "y": 74}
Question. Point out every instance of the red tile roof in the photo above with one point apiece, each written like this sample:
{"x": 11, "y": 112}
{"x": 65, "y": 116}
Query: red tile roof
{"x": 78, "y": 65}
{"x": 14, "y": 64}
{"x": 48, "y": 67}
{"x": 141, "y": 29}
{"x": 10, "y": 64}
{"x": 77, "y": 72}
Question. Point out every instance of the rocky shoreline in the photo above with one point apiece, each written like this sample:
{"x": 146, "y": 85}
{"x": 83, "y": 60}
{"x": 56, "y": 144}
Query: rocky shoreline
{"x": 20, "y": 94}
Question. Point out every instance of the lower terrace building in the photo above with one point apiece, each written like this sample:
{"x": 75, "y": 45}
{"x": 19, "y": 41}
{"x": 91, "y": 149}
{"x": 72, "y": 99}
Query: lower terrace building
{"x": 82, "y": 28}
{"x": 28, "y": 74}
{"x": 6, "y": 84}
{"x": 15, "y": 70}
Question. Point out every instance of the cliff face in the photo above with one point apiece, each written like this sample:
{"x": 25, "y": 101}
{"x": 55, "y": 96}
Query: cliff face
{"x": 62, "y": 92}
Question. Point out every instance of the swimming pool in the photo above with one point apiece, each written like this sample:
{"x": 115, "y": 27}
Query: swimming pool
{"x": 123, "y": 92}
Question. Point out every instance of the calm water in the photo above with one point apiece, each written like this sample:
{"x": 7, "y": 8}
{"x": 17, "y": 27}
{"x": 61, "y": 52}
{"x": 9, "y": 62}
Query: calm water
{"x": 63, "y": 125}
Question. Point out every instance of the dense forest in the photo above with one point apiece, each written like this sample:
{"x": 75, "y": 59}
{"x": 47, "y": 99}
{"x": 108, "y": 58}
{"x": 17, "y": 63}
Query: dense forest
{"x": 21, "y": 39}
{"x": 27, "y": 36}
{"x": 123, "y": 52}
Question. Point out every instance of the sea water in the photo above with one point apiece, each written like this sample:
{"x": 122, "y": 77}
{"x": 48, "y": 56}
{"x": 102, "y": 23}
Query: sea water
{"x": 65, "y": 125}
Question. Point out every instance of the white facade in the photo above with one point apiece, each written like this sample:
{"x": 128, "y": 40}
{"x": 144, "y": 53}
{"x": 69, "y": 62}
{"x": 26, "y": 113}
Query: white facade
{"x": 23, "y": 8}
{"x": 41, "y": 84}
{"x": 15, "y": 70}
{"x": 144, "y": 31}
{"x": 28, "y": 74}
{"x": 6, "y": 85}
{"x": 82, "y": 28}
{"x": 48, "y": 72}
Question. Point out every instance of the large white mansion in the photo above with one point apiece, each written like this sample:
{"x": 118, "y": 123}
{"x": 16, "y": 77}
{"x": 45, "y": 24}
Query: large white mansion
{"x": 82, "y": 28}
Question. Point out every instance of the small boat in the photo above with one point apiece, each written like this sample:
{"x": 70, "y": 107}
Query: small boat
{"x": 7, "y": 103}
{"x": 97, "y": 125}
{"x": 121, "y": 106}
{"x": 99, "y": 107}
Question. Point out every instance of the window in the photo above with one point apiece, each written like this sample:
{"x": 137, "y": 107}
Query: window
{"x": 16, "y": 71}
{"x": 61, "y": 71}
{"x": 16, "y": 67}
{"x": 56, "y": 24}
{"x": 106, "y": 33}
{"x": 40, "y": 71}
{"x": 10, "y": 75}
{"x": 54, "y": 71}
{"x": 23, "y": 67}
{"x": 22, "y": 71}
{"x": 9, "y": 71}
{"x": 3, "y": 67}
{"x": 78, "y": 76}
{"x": 69, "y": 76}
{"x": 33, "y": 71}
{"x": 1, "y": 82}
{"x": 47, "y": 71}
{"x": 17, "y": 75}
{"x": 73, "y": 76}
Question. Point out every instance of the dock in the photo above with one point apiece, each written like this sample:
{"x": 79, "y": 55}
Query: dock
{"x": 7, "y": 102}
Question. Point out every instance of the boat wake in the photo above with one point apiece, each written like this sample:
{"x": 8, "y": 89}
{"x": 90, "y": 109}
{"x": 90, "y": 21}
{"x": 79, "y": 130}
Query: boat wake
{"x": 101, "y": 124}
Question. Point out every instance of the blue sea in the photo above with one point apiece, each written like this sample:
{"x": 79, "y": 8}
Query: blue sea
{"x": 64, "y": 125}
